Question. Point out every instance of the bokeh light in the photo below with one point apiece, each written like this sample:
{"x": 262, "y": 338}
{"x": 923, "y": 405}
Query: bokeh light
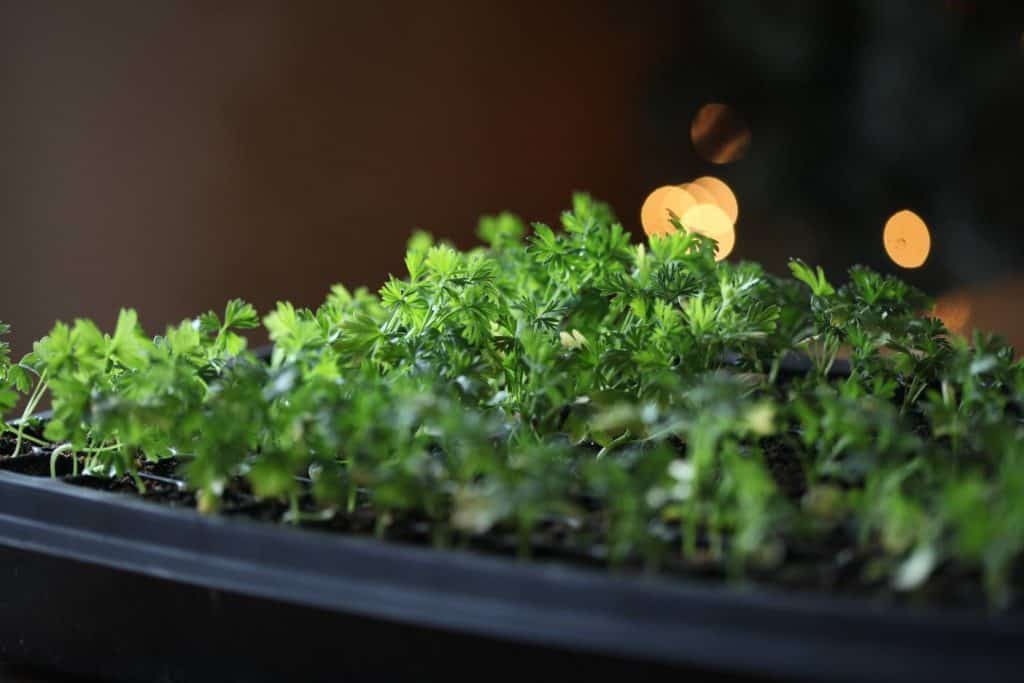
{"x": 719, "y": 134}
{"x": 706, "y": 206}
{"x": 954, "y": 310}
{"x": 990, "y": 307}
{"x": 721, "y": 193}
{"x": 709, "y": 220}
{"x": 701, "y": 194}
{"x": 906, "y": 239}
{"x": 654, "y": 214}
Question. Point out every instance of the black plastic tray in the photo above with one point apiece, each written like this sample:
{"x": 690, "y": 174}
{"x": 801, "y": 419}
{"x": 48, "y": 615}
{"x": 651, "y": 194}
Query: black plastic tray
{"x": 105, "y": 585}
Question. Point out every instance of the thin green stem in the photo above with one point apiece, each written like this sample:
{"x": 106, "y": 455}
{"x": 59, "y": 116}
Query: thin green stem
{"x": 615, "y": 443}
{"x": 30, "y": 408}
{"x": 57, "y": 452}
{"x": 25, "y": 437}
{"x": 102, "y": 449}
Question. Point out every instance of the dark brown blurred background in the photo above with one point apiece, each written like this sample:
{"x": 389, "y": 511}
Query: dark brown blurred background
{"x": 169, "y": 155}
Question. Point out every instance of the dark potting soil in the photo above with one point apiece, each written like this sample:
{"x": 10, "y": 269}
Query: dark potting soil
{"x": 832, "y": 565}
{"x": 786, "y": 470}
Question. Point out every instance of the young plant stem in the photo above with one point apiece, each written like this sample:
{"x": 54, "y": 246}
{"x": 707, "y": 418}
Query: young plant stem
{"x": 25, "y": 437}
{"x": 30, "y": 408}
{"x": 615, "y": 443}
{"x": 57, "y": 452}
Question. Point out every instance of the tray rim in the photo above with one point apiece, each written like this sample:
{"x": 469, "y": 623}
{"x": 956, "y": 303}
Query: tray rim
{"x": 725, "y": 627}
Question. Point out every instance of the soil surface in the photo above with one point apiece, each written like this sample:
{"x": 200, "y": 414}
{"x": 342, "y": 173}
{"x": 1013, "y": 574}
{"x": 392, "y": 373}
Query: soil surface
{"x": 828, "y": 566}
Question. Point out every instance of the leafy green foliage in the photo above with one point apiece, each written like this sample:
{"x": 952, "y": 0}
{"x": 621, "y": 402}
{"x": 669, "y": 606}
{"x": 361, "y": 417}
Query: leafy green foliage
{"x": 15, "y": 379}
{"x": 8, "y": 395}
{"x": 629, "y": 400}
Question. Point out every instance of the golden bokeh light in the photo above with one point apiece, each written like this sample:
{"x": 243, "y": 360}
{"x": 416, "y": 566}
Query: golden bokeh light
{"x": 719, "y": 134}
{"x": 954, "y": 310}
{"x": 702, "y": 195}
{"x": 721, "y": 193}
{"x": 906, "y": 239}
{"x": 989, "y": 307}
{"x": 654, "y": 214}
{"x": 709, "y": 220}
{"x": 651, "y": 213}
{"x": 706, "y": 206}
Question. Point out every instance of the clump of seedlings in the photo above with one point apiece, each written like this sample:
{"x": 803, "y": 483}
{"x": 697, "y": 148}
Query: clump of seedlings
{"x": 574, "y": 394}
